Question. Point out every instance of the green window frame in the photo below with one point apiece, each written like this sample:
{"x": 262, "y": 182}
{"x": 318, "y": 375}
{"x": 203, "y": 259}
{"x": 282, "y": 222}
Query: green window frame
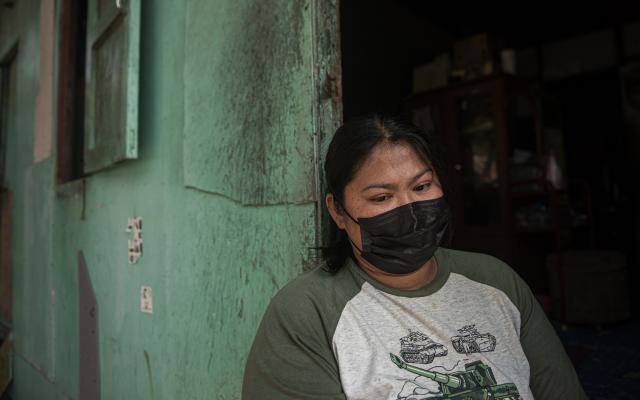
{"x": 112, "y": 83}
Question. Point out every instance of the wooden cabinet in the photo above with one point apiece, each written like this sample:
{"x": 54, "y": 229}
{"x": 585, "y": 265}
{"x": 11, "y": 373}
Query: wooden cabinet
{"x": 497, "y": 157}
{"x": 487, "y": 127}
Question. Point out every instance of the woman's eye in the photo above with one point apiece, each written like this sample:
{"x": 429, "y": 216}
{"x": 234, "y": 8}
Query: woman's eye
{"x": 380, "y": 199}
{"x": 422, "y": 188}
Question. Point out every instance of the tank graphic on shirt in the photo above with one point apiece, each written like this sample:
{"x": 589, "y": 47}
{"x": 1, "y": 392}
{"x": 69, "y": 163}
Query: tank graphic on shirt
{"x": 475, "y": 382}
{"x": 470, "y": 341}
{"x": 418, "y": 348}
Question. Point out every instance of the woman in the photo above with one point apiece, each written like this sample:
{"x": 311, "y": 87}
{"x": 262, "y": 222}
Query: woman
{"x": 391, "y": 314}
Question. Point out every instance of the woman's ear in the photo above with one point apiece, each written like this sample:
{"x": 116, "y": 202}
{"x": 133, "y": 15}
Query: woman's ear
{"x": 334, "y": 210}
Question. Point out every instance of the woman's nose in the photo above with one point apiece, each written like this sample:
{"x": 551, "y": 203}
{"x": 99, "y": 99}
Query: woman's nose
{"x": 407, "y": 197}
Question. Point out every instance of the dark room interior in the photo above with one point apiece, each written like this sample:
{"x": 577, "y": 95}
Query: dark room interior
{"x": 538, "y": 109}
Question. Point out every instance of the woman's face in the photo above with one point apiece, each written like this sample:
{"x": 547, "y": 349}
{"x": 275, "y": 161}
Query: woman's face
{"x": 392, "y": 175}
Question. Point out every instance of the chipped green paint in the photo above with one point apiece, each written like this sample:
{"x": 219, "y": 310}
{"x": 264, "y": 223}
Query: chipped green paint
{"x": 225, "y": 182}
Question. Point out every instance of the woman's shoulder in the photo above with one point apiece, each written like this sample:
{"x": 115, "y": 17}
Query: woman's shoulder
{"x": 316, "y": 290}
{"x": 306, "y": 284}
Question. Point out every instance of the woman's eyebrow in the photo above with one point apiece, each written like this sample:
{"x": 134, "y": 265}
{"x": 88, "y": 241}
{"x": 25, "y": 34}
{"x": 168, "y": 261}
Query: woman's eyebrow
{"x": 393, "y": 186}
{"x": 415, "y": 178}
{"x": 379, "y": 186}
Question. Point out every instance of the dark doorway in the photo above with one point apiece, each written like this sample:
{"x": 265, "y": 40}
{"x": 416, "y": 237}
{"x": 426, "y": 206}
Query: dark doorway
{"x": 587, "y": 116}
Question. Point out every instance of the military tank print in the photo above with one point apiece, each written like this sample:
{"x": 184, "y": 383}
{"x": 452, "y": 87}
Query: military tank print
{"x": 470, "y": 341}
{"x": 475, "y": 382}
{"x": 418, "y": 348}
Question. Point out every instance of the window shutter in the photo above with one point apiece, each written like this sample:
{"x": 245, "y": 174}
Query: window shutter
{"x": 111, "y": 110}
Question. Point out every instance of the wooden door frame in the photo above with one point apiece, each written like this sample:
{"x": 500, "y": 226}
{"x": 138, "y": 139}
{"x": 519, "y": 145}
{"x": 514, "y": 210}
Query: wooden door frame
{"x": 328, "y": 110}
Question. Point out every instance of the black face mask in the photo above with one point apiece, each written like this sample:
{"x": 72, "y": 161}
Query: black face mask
{"x": 402, "y": 240}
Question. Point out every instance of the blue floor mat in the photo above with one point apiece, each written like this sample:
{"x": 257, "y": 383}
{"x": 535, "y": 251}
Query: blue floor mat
{"x": 607, "y": 358}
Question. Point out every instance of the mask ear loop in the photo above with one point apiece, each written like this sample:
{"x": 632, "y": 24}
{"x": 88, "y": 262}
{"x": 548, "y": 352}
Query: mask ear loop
{"x": 345, "y": 210}
{"x": 353, "y": 219}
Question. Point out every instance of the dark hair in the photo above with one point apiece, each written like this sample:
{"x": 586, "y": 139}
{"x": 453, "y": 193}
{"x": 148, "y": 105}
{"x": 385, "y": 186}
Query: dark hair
{"x": 349, "y": 148}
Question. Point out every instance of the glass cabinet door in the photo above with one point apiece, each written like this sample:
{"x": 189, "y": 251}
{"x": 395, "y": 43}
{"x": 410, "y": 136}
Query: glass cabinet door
{"x": 477, "y": 133}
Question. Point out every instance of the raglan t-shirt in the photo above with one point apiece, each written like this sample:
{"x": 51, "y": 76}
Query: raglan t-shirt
{"x": 475, "y": 331}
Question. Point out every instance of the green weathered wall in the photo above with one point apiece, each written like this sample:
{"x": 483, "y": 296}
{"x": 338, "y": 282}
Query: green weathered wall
{"x": 253, "y": 95}
{"x": 225, "y": 184}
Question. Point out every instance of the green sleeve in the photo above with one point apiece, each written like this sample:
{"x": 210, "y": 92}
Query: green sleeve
{"x": 292, "y": 356}
{"x": 552, "y": 373}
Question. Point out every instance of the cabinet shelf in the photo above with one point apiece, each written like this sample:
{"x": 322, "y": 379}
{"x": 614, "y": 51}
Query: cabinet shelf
{"x": 483, "y": 126}
{"x": 535, "y": 195}
{"x": 549, "y": 229}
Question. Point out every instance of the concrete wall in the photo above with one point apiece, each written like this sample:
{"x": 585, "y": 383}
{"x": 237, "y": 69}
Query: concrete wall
{"x": 224, "y": 182}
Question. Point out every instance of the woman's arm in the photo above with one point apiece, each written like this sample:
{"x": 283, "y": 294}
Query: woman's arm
{"x": 291, "y": 356}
